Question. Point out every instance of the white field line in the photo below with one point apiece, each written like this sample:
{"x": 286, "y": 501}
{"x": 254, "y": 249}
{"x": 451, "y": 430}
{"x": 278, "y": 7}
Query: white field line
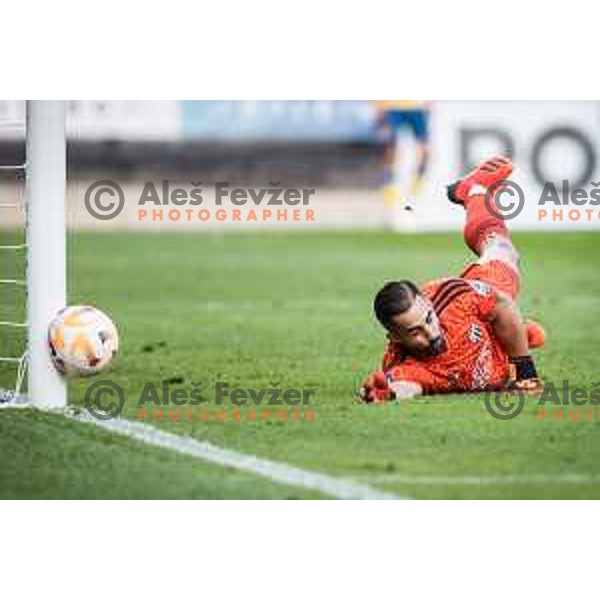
{"x": 335, "y": 487}
{"x": 533, "y": 479}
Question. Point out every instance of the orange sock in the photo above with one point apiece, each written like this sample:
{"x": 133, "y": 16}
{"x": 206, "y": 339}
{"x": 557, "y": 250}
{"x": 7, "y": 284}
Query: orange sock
{"x": 481, "y": 223}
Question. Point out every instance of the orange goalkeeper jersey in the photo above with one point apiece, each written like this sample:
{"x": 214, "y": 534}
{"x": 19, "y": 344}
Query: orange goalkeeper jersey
{"x": 473, "y": 359}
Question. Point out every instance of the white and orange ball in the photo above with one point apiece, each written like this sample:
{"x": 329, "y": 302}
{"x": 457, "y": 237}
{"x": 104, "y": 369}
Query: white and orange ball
{"x": 83, "y": 340}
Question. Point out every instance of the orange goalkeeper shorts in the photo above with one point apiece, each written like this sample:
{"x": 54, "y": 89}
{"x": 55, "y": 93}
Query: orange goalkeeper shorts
{"x": 498, "y": 274}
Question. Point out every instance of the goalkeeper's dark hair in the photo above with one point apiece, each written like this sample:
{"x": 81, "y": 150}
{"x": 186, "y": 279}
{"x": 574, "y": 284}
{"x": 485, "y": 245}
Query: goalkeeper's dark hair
{"x": 394, "y": 298}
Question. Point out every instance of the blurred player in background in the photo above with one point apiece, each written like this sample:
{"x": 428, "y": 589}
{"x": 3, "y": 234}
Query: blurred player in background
{"x": 403, "y": 173}
{"x": 461, "y": 333}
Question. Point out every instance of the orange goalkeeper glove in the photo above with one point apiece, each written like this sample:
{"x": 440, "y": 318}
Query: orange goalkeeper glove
{"x": 375, "y": 389}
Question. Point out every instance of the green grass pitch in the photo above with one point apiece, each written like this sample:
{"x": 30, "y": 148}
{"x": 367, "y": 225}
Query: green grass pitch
{"x": 252, "y": 308}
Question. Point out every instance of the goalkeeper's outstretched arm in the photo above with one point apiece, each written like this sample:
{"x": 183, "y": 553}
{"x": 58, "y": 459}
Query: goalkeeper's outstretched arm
{"x": 378, "y": 388}
{"x": 509, "y": 328}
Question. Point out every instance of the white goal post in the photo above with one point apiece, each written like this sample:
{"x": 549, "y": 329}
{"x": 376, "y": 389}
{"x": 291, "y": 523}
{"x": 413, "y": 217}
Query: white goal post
{"x": 46, "y": 244}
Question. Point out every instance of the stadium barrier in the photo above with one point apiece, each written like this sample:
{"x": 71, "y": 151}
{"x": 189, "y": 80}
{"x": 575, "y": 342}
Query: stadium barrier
{"x": 331, "y": 145}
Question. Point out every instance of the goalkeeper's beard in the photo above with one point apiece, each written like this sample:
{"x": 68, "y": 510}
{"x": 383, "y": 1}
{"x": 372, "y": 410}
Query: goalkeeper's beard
{"x": 436, "y": 347}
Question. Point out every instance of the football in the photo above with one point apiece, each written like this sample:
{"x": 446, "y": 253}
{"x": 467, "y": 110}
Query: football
{"x": 83, "y": 341}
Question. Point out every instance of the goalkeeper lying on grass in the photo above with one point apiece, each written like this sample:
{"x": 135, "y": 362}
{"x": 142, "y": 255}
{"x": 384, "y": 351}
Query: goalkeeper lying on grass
{"x": 462, "y": 333}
